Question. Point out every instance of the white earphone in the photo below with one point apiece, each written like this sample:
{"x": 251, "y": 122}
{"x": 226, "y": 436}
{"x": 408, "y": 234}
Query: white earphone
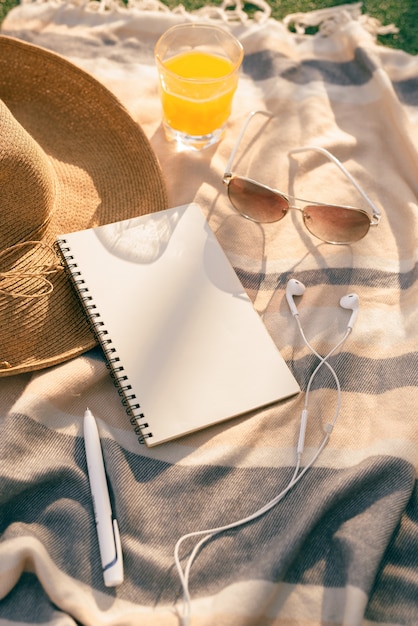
{"x": 293, "y": 288}
{"x": 351, "y": 302}
{"x": 296, "y": 288}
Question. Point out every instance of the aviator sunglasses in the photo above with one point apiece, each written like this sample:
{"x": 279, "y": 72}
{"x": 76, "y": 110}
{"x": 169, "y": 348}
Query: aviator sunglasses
{"x": 332, "y": 223}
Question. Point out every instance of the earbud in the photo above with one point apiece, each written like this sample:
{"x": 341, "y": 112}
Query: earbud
{"x": 294, "y": 288}
{"x": 351, "y": 301}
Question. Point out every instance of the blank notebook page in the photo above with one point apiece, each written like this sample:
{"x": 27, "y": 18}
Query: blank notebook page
{"x": 190, "y": 342}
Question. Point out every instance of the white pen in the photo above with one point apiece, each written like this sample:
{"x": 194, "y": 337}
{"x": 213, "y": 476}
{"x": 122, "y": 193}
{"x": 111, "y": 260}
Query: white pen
{"x": 107, "y": 527}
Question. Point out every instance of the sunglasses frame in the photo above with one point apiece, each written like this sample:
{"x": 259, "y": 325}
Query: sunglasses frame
{"x": 374, "y": 217}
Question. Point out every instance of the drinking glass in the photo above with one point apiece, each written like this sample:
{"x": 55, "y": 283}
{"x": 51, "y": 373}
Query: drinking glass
{"x": 198, "y": 67}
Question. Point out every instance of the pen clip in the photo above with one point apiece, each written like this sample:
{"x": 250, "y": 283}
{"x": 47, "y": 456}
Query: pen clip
{"x": 113, "y": 571}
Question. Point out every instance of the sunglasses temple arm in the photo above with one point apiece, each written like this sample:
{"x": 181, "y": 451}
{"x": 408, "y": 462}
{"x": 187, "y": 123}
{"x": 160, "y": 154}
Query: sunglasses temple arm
{"x": 331, "y": 157}
{"x": 240, "y": 136}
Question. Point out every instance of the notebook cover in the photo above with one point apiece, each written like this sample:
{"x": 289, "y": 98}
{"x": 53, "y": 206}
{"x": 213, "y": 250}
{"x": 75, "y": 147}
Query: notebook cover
{"x": 178, "y": 329}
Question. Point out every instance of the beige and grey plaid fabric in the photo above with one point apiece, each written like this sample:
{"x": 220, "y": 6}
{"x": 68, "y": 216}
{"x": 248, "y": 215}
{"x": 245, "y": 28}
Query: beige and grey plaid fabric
{"x": 342, "y": 547}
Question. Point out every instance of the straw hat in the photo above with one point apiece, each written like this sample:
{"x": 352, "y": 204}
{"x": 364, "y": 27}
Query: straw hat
{"x": 71, "y": 158}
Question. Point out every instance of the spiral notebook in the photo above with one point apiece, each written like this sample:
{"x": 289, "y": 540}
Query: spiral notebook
{"x": 179, "y": 332}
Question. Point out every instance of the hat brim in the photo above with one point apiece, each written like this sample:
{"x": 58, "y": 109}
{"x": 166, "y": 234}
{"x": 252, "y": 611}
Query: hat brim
{"x": 106, "y": 171}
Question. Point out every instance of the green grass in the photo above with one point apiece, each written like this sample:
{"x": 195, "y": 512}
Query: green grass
{"x": 402, "y": 13}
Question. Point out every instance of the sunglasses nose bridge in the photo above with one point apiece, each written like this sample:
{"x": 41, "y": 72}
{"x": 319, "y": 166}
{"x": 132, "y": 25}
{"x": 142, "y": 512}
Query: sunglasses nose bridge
{"x": 226, "y": 179}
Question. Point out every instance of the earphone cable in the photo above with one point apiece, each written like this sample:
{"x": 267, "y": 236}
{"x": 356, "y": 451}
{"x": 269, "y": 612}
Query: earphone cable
{"x": 184, "y": 574}
{"x": 323, "y": 361}
{"x": 211, "y": 532}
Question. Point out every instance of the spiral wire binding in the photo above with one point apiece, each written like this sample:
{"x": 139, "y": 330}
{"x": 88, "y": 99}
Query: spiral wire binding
{"x": 113, "y": 363}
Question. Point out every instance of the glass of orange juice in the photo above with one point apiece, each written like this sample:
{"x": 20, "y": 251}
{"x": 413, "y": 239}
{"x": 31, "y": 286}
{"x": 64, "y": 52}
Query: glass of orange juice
{"x": 198, "y": 67}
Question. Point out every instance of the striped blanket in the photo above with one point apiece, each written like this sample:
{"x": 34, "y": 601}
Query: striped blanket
{"x": 341, "y": 547}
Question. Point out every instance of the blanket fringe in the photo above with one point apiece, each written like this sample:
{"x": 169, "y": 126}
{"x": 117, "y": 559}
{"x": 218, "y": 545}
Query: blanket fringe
{"x": 228, "y": 11}
{"x": 326, "y": 20}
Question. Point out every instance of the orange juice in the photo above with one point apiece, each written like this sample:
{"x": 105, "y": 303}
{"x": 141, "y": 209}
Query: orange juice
{"x": 196, "y": 91}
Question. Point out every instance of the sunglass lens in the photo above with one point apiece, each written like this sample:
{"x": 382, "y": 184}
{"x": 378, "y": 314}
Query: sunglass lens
{"x": 255, "y": 201}
{"x": 336, "y": 224}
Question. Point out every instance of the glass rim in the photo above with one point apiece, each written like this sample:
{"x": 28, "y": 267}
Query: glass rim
{"x": 213, "y": 27}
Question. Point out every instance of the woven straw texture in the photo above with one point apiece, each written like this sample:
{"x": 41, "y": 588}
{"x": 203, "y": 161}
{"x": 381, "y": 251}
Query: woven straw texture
{"x": 71, "y": 157}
